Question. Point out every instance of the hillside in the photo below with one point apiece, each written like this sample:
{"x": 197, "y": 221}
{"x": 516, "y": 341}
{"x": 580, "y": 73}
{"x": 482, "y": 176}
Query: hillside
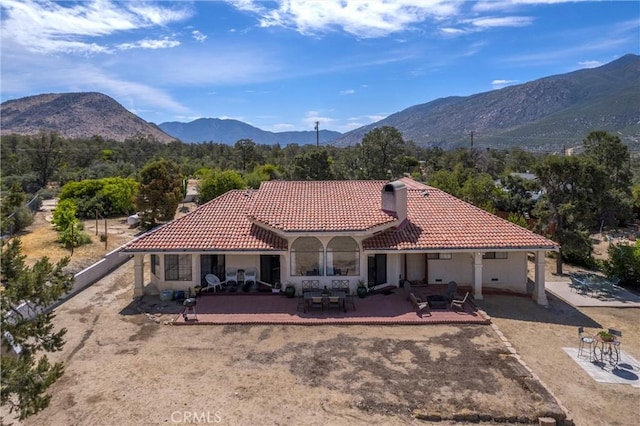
{"x": 230, "y": 131}
{"x": 76, "y": 115}
{"x": 552, "y": 111}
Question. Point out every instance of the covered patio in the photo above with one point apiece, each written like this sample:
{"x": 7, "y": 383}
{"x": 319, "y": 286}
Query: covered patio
{"x": 388, "y": 308}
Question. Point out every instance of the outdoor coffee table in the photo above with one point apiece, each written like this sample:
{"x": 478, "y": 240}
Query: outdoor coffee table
{"x": 437, "y": 301}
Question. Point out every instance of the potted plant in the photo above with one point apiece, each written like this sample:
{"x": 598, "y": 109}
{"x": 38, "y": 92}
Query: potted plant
{"x": 290, "y": 291}
{"x": 276, "y": 288}
{"x": 362, "y": 289}
{"x": 605, "y": 336}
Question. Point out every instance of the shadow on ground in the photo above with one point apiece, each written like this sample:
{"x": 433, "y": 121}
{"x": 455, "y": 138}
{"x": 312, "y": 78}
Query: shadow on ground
{"x": 152, "y": 305}
{"x": 526, "y": 309}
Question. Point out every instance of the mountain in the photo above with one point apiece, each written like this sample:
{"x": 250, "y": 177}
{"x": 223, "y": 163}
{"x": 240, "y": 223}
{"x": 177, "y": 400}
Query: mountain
{"x": 75, "y": 115}
{"x": 230, "y": 131}
{"x": 552, "y": 111}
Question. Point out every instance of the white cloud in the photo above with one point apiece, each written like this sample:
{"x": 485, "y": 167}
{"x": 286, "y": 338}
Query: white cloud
{"x": 47, "y": 26}
{"x": 150, "y": 44}
{"x": 228, "y": 117}
{"x": 501, "y": 83}
{"x": 198, "y": 36}
{"x": 347, "y": 92}
{"x": 505, "y": 21}
{"x": 366, "y": 19}
{"x": 590, "y": 64}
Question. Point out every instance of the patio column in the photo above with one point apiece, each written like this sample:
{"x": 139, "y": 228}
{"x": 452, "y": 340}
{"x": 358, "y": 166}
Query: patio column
{"x": 138, "y": 269}
{"x": 477, "y": 276}
{"x": 539, "y": 294}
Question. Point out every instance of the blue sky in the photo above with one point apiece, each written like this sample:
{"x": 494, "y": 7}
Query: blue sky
{"x": 283, "y": 65}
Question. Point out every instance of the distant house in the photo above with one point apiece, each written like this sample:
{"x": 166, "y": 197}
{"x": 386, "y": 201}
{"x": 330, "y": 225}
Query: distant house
{"x": 375, "y": 231}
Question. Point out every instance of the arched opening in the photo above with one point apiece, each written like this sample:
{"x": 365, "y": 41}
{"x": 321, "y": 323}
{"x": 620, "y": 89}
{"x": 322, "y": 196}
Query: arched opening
{"x": 307, "y": 257}
{"x": 343, "y": 256}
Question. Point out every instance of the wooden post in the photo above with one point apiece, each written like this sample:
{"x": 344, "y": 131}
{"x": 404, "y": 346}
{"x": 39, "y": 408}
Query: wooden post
{"x": 96, "y": 222}
{"x": 106, "y": 235}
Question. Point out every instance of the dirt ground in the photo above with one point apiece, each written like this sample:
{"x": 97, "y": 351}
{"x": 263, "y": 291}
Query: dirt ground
{"x": 124, "y": 366}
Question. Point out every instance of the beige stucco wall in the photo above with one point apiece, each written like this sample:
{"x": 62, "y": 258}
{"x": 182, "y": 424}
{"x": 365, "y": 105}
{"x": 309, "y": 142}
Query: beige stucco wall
{"x": 459, "y": 269}
{"x": 506, "y": 274}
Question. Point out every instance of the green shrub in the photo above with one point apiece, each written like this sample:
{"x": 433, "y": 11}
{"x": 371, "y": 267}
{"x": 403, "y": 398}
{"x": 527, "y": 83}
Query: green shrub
{"x": 74, "y": 237}
{"x": 624, "y": 263}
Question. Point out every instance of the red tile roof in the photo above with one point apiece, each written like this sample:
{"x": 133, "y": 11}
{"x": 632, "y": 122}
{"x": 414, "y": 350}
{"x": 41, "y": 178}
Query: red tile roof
{"x": 219, "y": 225}
{"x": 435, "y": 221}
{"x": 320, "y": 205}
{"x": 439, "y": 221}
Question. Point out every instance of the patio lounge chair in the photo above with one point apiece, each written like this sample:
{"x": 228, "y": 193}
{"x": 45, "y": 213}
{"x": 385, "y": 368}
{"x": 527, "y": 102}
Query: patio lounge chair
{"x": 459, "y": 303}
{"x": 213, "y": 283}
{"x": 419, "y": 307}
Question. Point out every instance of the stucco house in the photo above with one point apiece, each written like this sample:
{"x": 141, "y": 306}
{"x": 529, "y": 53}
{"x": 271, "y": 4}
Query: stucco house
{"x": 376, "y": 231}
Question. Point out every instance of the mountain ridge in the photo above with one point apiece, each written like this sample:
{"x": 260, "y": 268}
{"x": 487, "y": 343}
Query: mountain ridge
{"x": 574, "y": 104}
{"x": 76, "y": 115}
{"x": 553, "y": 111}
{"x": 229, "y": 131}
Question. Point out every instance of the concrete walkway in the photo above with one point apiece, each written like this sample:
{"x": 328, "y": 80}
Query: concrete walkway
{"x": 620, "y": 298}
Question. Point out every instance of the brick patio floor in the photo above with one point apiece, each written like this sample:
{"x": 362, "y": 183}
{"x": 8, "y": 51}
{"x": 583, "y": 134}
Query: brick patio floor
{"x": 269, "y": 308}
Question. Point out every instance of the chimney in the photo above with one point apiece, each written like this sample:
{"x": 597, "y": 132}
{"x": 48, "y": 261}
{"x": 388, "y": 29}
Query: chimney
{"x": 394, "y": 199}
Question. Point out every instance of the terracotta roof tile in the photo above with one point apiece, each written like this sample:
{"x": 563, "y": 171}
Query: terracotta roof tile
{"x": 219, "y": 225}
{"x": 320, "y": 205}
{"x": 440, "y": 221}
{"x": 437, "y": 221}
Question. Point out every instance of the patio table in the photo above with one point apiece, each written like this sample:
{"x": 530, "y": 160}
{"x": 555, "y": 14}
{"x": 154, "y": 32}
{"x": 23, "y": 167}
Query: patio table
{"x": 606, "y": 350}
{"x": 342, "y": 295}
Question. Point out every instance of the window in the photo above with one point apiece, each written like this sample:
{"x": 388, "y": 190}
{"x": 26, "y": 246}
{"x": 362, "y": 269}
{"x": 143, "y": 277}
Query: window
{"x": 496, "y": 255}
{"x": 177, "y": 267}
{"x": 441, "y": 256}
{"x": 307, "y": 257}
{"x": 155, "y": 263}
{"x": 343, "y": 256}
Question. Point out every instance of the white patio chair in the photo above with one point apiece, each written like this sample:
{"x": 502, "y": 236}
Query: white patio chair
{"x": 250, "y": 275}
{"x": 231, "y": 276}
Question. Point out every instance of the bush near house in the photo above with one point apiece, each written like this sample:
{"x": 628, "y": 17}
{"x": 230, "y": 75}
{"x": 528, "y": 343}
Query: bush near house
{"x": 624, "y": 263}
{"x": 112, "y": 196}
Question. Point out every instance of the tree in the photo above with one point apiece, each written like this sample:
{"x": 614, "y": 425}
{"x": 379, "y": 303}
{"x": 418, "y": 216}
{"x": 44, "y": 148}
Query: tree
{"x": 159, "y": 192}
{"x": 382, "y": 148}
{"x": 624, "y": 263}
{"x": 607, "y": 152}
{"x": 517, "y": 197}
{"x": 313, "y": 165}
{"x": 15, "y": 215}
{"x": 214, "y": 184}
{"x": 27, "y": 376}
{"x": 246, "y": 153}
{"x": 69, "y": 228}
{"x": 47, "y": 155}
{"x": 567, "y": 209}
{"x": 111, "y": 196}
